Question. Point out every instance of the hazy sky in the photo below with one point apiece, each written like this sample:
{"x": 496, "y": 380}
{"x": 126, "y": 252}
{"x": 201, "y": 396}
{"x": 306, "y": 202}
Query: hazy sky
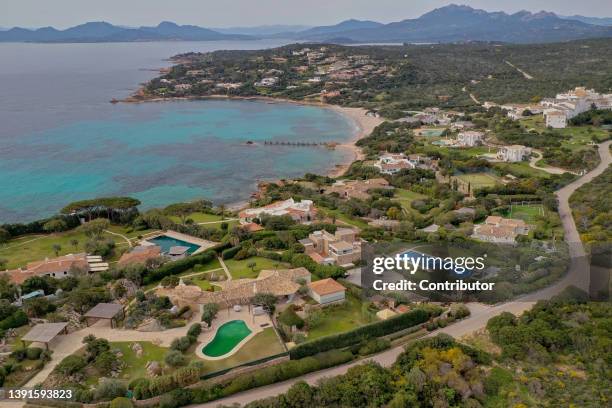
{"x": 224, "y": 13}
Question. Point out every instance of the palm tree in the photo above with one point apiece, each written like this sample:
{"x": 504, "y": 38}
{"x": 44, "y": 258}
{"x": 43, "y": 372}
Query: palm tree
{"x": 222, "y": 209}
{"x": 75, "y": 243}
{"x": 252, "y": 265}
{"x": 57, "y": 248}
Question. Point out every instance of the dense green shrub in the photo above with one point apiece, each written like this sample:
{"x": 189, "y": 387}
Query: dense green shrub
{"x": 33, "y": 353}
{"x": 121, "y": 402}
{"x": 230, "y": 252}
{"x": 71, "y": 365}
{"x": 194, "y": 330}
{"x": 377, "y": 329}
{"x": 17, "y": 319}
{"x": 175, "y": 358}
{"x": 176, "y": 267}
{"x": 177, "y": 398}
{"x": 287, "y": 370}
{"x": 109, "y": 389}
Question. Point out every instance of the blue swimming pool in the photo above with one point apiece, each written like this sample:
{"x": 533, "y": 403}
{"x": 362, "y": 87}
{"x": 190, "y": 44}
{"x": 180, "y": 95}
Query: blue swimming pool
{"x": 166, "y": 242}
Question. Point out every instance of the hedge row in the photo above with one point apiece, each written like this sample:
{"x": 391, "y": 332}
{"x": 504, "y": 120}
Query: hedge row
{"x": 230, "y": 252}
{"x": 360, "y": 334}
{"x": 176, "y": 267}
{"x": 17, "y": 319}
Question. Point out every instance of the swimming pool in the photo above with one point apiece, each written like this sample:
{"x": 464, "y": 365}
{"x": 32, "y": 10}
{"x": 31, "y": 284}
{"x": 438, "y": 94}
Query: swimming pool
{"x": 228, "y": 336}
{"x": 166, "y": 242}
{"x": 432, "y": 132}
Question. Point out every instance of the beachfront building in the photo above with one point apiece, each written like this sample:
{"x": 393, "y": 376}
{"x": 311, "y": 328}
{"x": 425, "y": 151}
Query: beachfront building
{"x": 392, "y": 163}
{"x": 500, "y": 230}
{"x": 58, "y": 268}
{"x": 341, "y": 248}
{"x": 139, "y": 255}
{"x": 327, "y": 291}
{"x": 302, "y": 212}
{"x": 469, "y": 138}
{"x": 357, "y": 188}
{"x": 513, "y": 153}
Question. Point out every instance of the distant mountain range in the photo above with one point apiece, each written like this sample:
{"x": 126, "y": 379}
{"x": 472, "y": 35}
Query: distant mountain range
{"x": 451, "y": 23}
{"x": 604, "y": 21}
{"x": 105, "y": 32}
{"x": 264, "y": 30}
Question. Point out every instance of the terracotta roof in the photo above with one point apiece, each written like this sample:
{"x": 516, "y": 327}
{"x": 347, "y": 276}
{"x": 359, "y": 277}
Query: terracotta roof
{"x": 326, "y": 287}
{"x": 280, "y": 282}
{"x": 59, "y": 264}
{"x": 252, "y": 227}
{"x": 140, "y": 255}
{"x": 48, "y": 266}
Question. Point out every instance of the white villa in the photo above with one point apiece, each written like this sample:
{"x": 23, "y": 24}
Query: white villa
{"x": 303, "y": 211}
{"x": 555, "y": 119}
{"x": 469, "y": 138}
{"x": 569, "y": 104}
{"x": 513, "y": 153}
{"x": 392, "y": 163}
{"x": 268, "y": 81}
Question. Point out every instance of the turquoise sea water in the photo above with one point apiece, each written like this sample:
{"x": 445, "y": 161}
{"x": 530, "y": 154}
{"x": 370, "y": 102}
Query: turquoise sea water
{"x": 165, "y": 152}
{"x": 61, "y": 140}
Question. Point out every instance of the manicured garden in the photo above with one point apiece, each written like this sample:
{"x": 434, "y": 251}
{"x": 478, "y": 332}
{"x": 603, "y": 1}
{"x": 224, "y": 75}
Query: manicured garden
{"x": 406, "y": 197}
{"x": 342, "y": 317}
{"x": 243, "y": 268}
{"x": 135, "y": 366}
{"x": 19, "y": 251}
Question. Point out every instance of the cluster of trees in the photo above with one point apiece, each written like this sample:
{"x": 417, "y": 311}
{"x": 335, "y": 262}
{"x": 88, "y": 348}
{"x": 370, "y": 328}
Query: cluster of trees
{"x": 116, "y": 209}
{"x": 592, "y": 209}
{"x": 595, "y": 117}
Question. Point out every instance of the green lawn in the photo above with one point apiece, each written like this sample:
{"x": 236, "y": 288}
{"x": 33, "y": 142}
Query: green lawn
{"x": 340, "y": 318}
{"x": 521, "y": 169}
{"x": 212, "y": 220}
{"x": 355, "y": 222}
{"x": 136, "y": 367}
{"x": 18, "y": 252}
{"x": 405, "y": 197}
{"x": 262, "y": 345}
{"x": 239, "y": 269}
{"x": 214, "y": 264}
{"x": 479, "y": 180}
{"x": 580, "y": 135}
{"x": 203, "y": 282}
{"x": 528, "y": 213}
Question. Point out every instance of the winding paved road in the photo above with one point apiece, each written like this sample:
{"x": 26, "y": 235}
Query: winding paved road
{"x": 480, "y": 313}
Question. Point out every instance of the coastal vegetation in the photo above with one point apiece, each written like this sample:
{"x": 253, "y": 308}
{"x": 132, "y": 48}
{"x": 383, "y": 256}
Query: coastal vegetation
{"x": 391, "y": 79}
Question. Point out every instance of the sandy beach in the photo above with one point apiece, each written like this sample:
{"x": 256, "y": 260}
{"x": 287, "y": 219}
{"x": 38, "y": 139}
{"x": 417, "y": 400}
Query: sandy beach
{"x": 364, "y": 125}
